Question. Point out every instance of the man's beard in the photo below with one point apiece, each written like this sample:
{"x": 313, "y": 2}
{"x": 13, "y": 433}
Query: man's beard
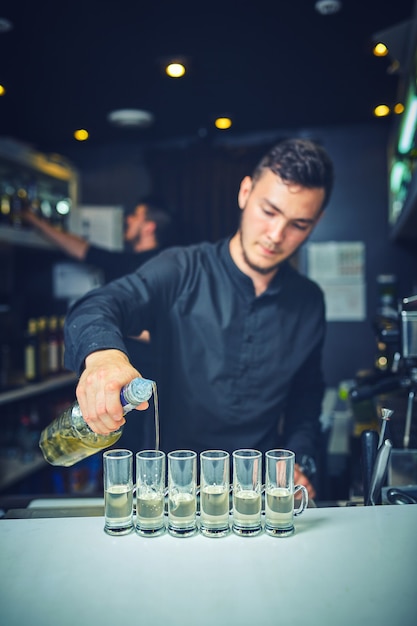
{"x": 261, "y": 270}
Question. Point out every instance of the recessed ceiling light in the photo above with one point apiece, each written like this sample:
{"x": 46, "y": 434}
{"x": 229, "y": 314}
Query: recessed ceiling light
{"x": 382, "y": 110}
{"x": 175, "y": 70}
{"x": 81, "y": 134}
{"x": 131, "y": 118}
{"x": 223, "y": 123}
{"x": 328, "y": 7}
{"x": 5, "y": 25}
{"x": 380, "y": 49}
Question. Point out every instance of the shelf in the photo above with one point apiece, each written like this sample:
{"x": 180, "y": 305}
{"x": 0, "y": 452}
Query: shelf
{"x": 36, "y": 389}
{"x": 13, "y": 470}
{"x": 24, "y": 237}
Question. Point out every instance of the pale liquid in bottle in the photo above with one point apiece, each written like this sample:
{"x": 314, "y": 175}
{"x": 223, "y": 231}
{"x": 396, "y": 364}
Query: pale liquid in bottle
{"x": 279, "y": 506}
{"x": 61, "y": 447}
{"x": 214, "y": 506}
{"x": 247, "y": 508}
{"x": 118, "y": 507}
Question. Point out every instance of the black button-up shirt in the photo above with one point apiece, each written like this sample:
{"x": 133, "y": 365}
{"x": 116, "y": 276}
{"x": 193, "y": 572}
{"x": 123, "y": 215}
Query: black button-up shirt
{"x": 116, "y": 263}
{"x": 231, "y": 366}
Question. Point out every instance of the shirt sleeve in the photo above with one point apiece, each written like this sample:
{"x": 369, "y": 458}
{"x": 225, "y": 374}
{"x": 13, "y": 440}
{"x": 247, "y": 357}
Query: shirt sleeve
{"x": 124, "y": 307}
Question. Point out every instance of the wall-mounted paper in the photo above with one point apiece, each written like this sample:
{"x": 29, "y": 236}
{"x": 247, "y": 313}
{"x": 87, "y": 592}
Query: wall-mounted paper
{"x": 339, "y": 269}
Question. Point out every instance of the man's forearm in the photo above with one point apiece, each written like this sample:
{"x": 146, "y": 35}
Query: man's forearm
{"x": 70, "y": 243}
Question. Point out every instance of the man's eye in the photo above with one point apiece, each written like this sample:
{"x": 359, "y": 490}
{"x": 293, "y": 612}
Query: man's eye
{"x": 300, "y": 226}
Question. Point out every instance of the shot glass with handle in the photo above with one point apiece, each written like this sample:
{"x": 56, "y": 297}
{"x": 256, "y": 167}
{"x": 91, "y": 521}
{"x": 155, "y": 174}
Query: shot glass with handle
{"x": 150, "y": 493}
{"x": 118, "y": 491}
{"x": 279, "y": 493}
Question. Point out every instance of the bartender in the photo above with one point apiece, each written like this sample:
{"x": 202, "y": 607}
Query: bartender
{"x": 237, "y": 331}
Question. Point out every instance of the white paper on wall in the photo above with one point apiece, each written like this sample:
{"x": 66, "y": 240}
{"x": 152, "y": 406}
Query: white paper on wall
{"x": 339, "y": 269}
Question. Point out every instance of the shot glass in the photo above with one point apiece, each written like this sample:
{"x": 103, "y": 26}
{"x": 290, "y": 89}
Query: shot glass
{"x": 247, "y": 492}
{"x": 279, "y": 493}
{"x": 182, "y": 489}
{"x": 118, "y": 491}
{"x": 150, "y": 493}
{"x": 214, "y": 493}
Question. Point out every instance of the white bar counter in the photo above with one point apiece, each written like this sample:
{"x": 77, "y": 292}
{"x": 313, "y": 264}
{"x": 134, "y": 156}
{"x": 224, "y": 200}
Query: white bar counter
{"x": 343, "y": 566}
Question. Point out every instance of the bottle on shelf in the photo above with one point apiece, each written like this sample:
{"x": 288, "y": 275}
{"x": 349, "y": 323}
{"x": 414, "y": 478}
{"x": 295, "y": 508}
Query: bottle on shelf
{"x": 43, "y": 348}
{"x": 69, "y": 439}
{"x": 18, "y": 203}
{"x": 61, "y": 322}
{"x": 31, "y": 351}
{"x": 5, "y": 204}
{"x": 54, "y": 364}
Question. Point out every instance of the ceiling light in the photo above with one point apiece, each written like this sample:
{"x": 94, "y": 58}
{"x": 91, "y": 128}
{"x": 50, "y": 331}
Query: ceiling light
{"x": 129, "y": 118}
{"x": 380, "y": 50}
{"x": 5, "y": 25}
{"x": 81, "y": 134}
{"x": 2, "y": 90}
{"x": 399, "y": 108}
{"x": 223, "y": 123}
{"x": 395, "y": 39}
{"x": 328, "y": 7}
{"x": 382, "y": 110}
{"x": 175, "y": 70}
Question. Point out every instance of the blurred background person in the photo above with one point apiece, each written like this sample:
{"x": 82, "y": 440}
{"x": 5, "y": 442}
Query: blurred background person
{"x": 148, "y": 229}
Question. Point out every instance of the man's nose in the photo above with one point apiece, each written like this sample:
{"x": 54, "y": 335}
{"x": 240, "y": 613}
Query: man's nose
{"x": 277, "y": 230}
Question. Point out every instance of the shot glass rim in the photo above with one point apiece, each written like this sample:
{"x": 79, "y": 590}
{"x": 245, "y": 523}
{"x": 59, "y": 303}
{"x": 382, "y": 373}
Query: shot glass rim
{"x": 242, "y": 453}
{"x": 118, "y": 453}
{"x": 182, "y": 454}
{"x": 157, "y": 454}
{"x": 283, "y": 454}
{"x": 218, "y": 454}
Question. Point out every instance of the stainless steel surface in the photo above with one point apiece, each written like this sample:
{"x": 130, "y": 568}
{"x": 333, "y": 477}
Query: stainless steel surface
{"x": 409, "y": 415}
{"x": 385, "y": 416}
{"x": 409, "y": 327}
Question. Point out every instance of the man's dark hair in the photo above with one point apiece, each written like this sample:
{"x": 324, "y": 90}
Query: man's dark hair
{"x": 156, "y": 212}
{"x": 299, "y": 161}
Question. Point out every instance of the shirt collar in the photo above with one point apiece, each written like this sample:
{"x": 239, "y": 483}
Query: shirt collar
{"x": 242, "y": 281}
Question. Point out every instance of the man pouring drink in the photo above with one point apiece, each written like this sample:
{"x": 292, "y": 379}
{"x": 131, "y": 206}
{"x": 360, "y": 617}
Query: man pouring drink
{"x": 236, "y": 330}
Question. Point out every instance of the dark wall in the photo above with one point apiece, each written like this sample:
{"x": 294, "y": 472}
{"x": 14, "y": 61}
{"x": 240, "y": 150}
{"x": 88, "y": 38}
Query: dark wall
{"x": 110, "y": 174}
{"x": 358, "y": 210}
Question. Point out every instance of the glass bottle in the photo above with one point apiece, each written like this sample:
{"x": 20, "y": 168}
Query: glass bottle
{"x": 31, "y": 351}
{"x": 5, "y": 205}
{"x": 68, "y": 438}
{"x": 43, "y": 349}
{"x": 53, "y": 346}
{"x": 61, "y": 322}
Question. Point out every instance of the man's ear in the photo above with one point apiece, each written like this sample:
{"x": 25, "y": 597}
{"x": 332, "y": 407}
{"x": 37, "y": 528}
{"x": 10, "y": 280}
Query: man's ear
{"x": 244, "y": 191}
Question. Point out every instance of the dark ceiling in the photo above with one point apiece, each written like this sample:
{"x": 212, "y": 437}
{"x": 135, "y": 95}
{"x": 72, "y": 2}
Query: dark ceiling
{"x": 66, "y": 65}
